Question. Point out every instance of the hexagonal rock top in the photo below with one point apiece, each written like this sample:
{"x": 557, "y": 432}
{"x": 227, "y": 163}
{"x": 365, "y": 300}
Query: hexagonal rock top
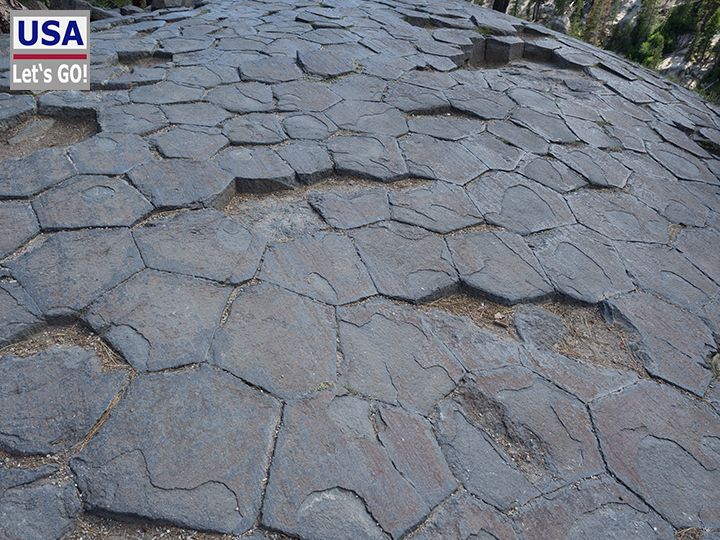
{"x": 286, "y": 375}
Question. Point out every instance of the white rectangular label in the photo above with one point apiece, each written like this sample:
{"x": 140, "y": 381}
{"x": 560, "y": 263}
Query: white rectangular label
{"x": 50, "y": 33}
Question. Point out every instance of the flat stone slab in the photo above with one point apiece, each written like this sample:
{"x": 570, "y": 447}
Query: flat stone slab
{"x": 376, "y": 158}
{"x": 140, "y": 463}
{"x": 19, "y": 314}
{"x": 500, "y": 265}
{"x": 177, "y": 183}
{"x": 394, "y": 355}
{"x": 324, "y": 266}
{"x": 66, "y": 271}
{"x": 308, "y": 489}
{"x": 352, "y": 208}
{"x": 582, "y": 264}
{"x": 673, "y": 345}
{"x": 36, "y": 509}
{"x": 659, "y": 440}
{"x": 19, "y": 224}
{"x": 436, "y": 159}
{"x": 22, "y": 177}
{"x": 49, "y": 401}
{"x": 159, "y": 320}
{"x": 404, "y": 261}
{"x": 110, "y": 154}
{"x": 439, "y": 207}
{"x": 220, "y": 248}
{"x": 91, "y": 201}
{"x": 300, "y": 360}
{"x": 520, "y": 205}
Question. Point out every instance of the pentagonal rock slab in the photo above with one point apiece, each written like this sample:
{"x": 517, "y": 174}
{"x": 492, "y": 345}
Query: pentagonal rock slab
{"x": 674, "y": 344}
{"x": 348, "y": 209}
{"x": 436, "y": 159}
{"x": 254, "y": 128}
{"x": 49, "y": 401}
{"x": 583, "y": 509}
{"x": 67, "y": 270}
{"x": 618, "y": 216}
{"x": 256, "y": 169}
{"x": 391, "y": 353}
{"x": 90, "y": 201}
{"x": 141, "y": 464}
{"x": 33, "y": 508}
{"x": 377, "y": 158}
{"x": 294, "y": 362}
{"x": 439, "y": 207}
{"x": 581, "y": 264}
{"x": 18, "y": 223}
{"x": 372, "y": 477}
{"x": 111, "y": 154}
{"x": 218, "y": 248}
{"x": 598, "y": 167}
{"x": 404, "y": 261}
{"x": 176, "y": 183}
{"x": 500, "y": 265}
{"x": 325, "y": 267}
{"x": 190, "y": 142}
{"x": 662, "y": 444}
{"x": 22, "y": 177}
{"x": 512, "y": 201}
{"x": 242, "y": 97}
{"x": 159, "y": 320}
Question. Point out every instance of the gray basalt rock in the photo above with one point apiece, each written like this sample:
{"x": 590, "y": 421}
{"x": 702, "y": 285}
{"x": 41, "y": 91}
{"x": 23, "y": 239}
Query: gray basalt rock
{"x": 483, "y": 260}
{"x": 396, "y": 355}
{"x": 618, "y": 216}
{"x": 673, "y": 344}
{"x": 377, "y": 158}
{"x": 436, "y": 159}
{"x": 256, "y": 169}
{"x": 196, "y": 114}
{"x": 176, "y": 183}
{"x": 39, "y": 510}
{"x": 351, "y": 208}
{"x": 158, "y": 320}
{"x": 271, "y": 70}
{"x": 439, "y": 207}
{"x": 254, "y": 128}
{"x": 519, "y": 137}
{"x": 368, "y": 117}
{"x": 446, "y": 127}
{"x": 592, "y": 505}
{"x": 90, "y": 201}
{"x": 296, "y": 362}
{"x": 661, "y": 444}
{"x": 682, "y": 164}
{"x": 308, "y": 489}
{"x": 404, "y": 261}
{"x": 164, "y": 93}
{"x": 49, "y": 401}
{"x": 695, "y": 244}
{"x": 18, "y": 223}
{"x": 481, "y": 102}
{"x": 66, "y": 271}
{"x": 22, "y": 177}
{"x": 111, "y": 154}
{"x": 553, "y": 174}
{"x": 581, "y": 264}
{"x": 19, "y": 315}
{"x": 219, "y": 248}
{"x": 190, "y": 142}
{"x": 599, "y": 168}
{"x": 310, "y": 160}
{"x": 15, "y": 108}
{"x": 550, "y": 127}
{"x": 139, "y": 118}
{"x": 325, "y": 267}
{"x": 313, "y": 126}
{"x": 518, "y": 204}
{"x": 665, "y": 272}
{"x": 141, "y": 464}
{"x": 304, "y": 96}
{"x": 243, "y": 97}
{"x": 468, "y": 515}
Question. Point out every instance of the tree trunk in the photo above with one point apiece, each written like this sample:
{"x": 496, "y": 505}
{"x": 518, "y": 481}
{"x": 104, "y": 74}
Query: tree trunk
{"x": 5, "y": 7}
{"x": 498, "y": 5}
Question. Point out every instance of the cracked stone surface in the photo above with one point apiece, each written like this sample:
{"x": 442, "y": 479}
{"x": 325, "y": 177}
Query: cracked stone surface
{"x": 34, "y": 508}
{"x": 141, "y": 465}
{"x": 50, "y": 400}
{"x": 359, "y": 264}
